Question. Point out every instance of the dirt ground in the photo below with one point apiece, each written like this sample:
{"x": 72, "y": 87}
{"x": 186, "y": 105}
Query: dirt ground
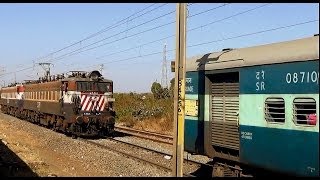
{"x": 41, "y": 159}
{"x": 42, "y": 152}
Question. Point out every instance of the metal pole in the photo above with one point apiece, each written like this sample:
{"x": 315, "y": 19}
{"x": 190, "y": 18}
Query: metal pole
{"x": 179, "y": 91}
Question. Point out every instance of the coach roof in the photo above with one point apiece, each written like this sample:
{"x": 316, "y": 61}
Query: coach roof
{"x": 294, "y": 50}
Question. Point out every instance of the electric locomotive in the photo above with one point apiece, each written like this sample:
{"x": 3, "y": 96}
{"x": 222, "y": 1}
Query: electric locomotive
{"x": 80, "y": 104}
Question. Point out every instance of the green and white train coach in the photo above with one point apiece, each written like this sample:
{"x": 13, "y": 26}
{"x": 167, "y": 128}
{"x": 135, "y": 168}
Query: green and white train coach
{"x": 256, "y": 107}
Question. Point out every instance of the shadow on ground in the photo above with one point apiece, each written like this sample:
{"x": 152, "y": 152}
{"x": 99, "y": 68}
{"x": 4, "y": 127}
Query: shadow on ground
{"x": 11, "y": 165}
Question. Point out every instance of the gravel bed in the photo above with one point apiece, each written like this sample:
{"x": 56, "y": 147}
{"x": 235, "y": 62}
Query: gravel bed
{"x": 161, "y": 147}
{"x": 155, "y": 157}
{"x": 165, "y": 148}
{"x": 71, "y": 157}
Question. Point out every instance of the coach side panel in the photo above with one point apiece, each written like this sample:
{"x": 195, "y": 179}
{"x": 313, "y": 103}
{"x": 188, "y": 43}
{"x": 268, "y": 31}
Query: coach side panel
{"x": 269, "y": 135}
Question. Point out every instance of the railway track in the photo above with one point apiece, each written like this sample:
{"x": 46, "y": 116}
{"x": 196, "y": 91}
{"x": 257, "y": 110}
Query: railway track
{"x": 145, "y": 155}
{"x": 156, "y": 137}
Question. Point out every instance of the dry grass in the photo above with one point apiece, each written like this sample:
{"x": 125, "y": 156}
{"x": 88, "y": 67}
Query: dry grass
{"x": 162, "y": 125}
{"x": 155, "y": 114}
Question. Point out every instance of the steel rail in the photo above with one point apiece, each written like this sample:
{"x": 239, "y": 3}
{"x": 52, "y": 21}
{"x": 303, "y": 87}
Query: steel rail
{"x": 157, "y": 137}
{"x": 136, "y": 157}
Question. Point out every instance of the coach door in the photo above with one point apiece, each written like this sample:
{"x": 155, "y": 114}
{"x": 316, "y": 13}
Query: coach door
{"x": 225, "y": 110}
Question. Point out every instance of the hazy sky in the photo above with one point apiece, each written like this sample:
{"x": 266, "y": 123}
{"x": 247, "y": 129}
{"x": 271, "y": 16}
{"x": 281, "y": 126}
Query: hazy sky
{"x": 31, "y": 31}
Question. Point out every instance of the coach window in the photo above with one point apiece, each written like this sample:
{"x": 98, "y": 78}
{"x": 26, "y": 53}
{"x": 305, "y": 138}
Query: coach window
{"x": 275, "y": 110}
{"x": 304, "y": 111}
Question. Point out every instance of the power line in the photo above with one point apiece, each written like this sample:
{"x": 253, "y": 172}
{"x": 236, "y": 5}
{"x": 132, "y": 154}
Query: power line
{"x": 136, "y": 46}
{"x": 116, "y": 35}
{"x": 204, "y": 42}
{"x": 116, "y": 25}
{"x": 234, "y": 15}
{"x": 95, "y": 34}
{"x": 106, "y": 29}
{"x": 202, "y": 12}
{"x": 218, "y": 40}
{"x": 198, "y": 27}
{"x": 254, "y": 33}
{"x": 75, "y": 51}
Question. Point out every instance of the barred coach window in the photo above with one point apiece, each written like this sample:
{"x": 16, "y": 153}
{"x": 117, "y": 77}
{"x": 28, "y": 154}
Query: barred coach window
{"x": 275, "y": 110}
{"x": 304, "y": 111}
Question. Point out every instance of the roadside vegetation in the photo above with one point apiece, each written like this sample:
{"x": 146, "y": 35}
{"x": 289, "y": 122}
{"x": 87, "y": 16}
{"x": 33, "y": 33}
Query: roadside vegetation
{"x": 147, "y": 111}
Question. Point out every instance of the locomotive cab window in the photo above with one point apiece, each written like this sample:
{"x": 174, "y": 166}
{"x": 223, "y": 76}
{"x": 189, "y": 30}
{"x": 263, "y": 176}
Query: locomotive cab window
{"x": 93, "y": 86}
{"x": 304, "y": 111}
{"x": 104, "y": 87}
{"x": 275, "y": 110}
{"x": 82, "y": 86}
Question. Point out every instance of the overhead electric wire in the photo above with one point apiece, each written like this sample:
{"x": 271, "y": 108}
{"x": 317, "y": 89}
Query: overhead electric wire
{"x": 218, "y": 40}
{"x": 107, "y": 28}
{"x": 198, "y": 27}
{"x": 202, "y": 12}
{"x": 99, "y": 32}
{"x": 141, "y": 24}
{"x": 75, "y": 51}
{"x": 199, "y": 44}
{"x": 254, "y": 33}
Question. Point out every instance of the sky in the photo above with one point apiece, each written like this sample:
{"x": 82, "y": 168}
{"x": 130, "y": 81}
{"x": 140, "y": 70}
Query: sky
{"x": 31, "y": 31}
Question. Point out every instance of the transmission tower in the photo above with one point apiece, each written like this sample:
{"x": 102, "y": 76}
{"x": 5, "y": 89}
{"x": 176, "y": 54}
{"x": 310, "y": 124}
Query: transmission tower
{"x": 46, "y": 67}
{"x": 101, "y": 68}
{"x": 2, "y": 70}
{"x": 164, "y": 78}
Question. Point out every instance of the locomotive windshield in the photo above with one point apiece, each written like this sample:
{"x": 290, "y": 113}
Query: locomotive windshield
{"x": 94, "y": 86}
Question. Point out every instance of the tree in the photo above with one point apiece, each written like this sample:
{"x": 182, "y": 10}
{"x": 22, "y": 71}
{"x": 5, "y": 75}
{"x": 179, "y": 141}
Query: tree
{"x": 156, "y": 90}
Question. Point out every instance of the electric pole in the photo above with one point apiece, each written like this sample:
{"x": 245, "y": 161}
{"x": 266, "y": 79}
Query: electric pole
{"x": 179, "y": 90}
